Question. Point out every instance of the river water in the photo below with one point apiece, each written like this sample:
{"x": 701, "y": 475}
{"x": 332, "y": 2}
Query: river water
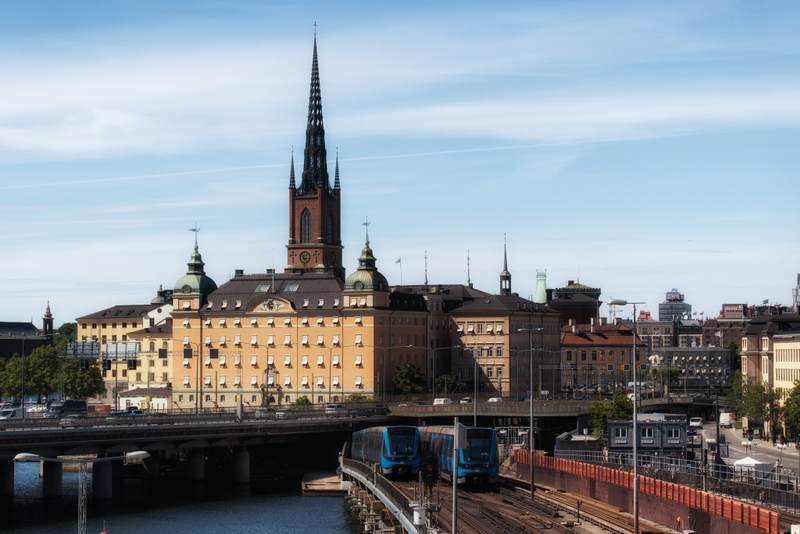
{"x": 176, "y": 508}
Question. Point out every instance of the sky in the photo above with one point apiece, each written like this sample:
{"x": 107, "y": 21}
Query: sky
{"x": 634, "y": 146}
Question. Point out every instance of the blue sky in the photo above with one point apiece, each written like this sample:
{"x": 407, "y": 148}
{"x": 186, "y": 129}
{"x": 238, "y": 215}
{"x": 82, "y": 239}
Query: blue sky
{"x": 636, "y": 146}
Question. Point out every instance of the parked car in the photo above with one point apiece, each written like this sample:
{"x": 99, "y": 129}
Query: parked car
{"x": 335, "y": 409}
{"x": 442, "y": 401}
{"x": 7, "y": 414}
{"x": 129, "y": 412}
{"x": 285, "y": 414}
{"x": 265, "y": 413}
{"x": 696, "y": 422}
{"x": 466, "y": 400}
{"x": 60, "y": 409}
{"x": 495, "y": 399}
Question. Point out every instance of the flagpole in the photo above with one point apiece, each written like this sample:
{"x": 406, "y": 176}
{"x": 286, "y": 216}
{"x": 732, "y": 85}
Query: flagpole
{"x": 454, "y": 478}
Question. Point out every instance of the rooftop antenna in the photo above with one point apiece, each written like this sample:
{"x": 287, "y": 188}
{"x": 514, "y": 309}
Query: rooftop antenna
{"x": 469, "y": 280}
{"x": 366, "y": 224}
{"x": 426, "y": 267}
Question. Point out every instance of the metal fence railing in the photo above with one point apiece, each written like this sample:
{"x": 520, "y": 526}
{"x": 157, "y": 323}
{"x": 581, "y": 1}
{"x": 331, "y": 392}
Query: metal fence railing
{"x": 768, "y": 485}
{"x": 393, "y": 493}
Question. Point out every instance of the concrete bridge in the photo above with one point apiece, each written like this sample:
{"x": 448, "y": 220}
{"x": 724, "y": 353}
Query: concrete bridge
{"x": 541, "y": 408}
{"x": 181, "y": 438}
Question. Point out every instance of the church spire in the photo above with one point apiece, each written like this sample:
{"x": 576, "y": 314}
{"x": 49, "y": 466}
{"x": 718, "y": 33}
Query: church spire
{"x": 291, "y": 172}
{"x": 336, "y": 184}
{"x": 505, "y": 276}
{"x": 315, "y": 168}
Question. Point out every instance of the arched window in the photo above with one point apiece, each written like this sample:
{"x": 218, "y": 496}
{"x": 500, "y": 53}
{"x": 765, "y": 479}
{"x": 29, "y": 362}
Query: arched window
{"x": 305, "y": 226}
{"x": 329, "y": 229}
{"x": 152, "y": 346}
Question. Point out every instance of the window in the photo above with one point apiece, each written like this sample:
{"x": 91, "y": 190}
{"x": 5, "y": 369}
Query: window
{"x": 270, "y": 360}
{"x": 335, "y": 381}
{"x": 479, "y": 328}
{"x": 320, "y": 321}
{"x": 358, "y": 381}
{"x": 358, "y": 320}
{"x": 489, "y": 372}
{"x": 287, "y": 361}
{"x": 358, "y": 340}
{"x": 207, "y": 322}
{"x": 321, "y": 381}
{"x": 320, "y": 340}
{"x": 569, "y": 355}
{"x": 270, "y": 380}
{"x": 594, "y": 355}
{"x": 238, "y": 304}
{"x": 208, "y": 361}
{"x": 646, "y": 432}
{"x": 320, "y": 360}
{"x": 222, "y": 341}
{"x": 362, "y": 301}
{"x": 287, "y": 340}
{"x": 237, "y": 322}
{"x": 237, "y": 380}
{"x": 237, "y": 359}
{"x": 460, "y": 328}
{"x": 304, "y": 381}
{"x": 186, "y": 362}
{"x": 185, "y": 340}
{"x": 583, "y": 355}
{"x": 489, "y": 328}
{"x": 498, "y": 350}
{"x": 185, "y": 380}
{"x": 186, "y": 323}
{"x": 304, "y": 321}
{"x": 305, "y": 226}
{"x": 765, "y": 343}
{"x": 336, "y": 360}
{"x": 222, "y": 322}
{"x": 253, "y": 322}
{"x": 335, "y": 320}
{"x": 253, "y": 380}
{"x": 207, "y": 380}
{"x": 304, "y": 361}
{"x": 222, "y": 360}
{"x": 335, "y": 340}
{"x": 270, "y": 340}
{"x": 305, "y": 305}
{"x": 673, "y": 433}
{"x": 499, "y": 328}
{"x": 237, "y": 340}
{"x": 287, "y": 381}
{"x": 358, "y": 360}
{"x": 222, "y": 380}
{"x": 224, "y": 304}
{"x": 253, "y": 360}
{"x": 270, "y": 322}
{"x": 304, "y": 341}
{"x": 620, "y": 433}
{"x": 253, "y": 340}
{"x": 470, "y": 328}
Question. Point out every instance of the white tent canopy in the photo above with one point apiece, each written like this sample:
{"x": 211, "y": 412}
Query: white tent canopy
{"x": 746, "y": 462}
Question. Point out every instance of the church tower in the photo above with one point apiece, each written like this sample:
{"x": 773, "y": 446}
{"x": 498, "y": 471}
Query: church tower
{"x": 47, "y": 321}
{"x": 505, "y": 276}
{"x": 315, "y": 243}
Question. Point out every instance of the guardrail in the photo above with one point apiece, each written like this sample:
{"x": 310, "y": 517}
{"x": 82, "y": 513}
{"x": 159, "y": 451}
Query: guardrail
{"x": 389, "y": 494}
{"x": 542, "y": 408}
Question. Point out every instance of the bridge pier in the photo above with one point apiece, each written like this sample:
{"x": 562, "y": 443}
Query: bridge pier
{"x": 6, "y": 478}
{"x": 52, "y": 479}
{"x": 241, "y": 465}
{"x": 103, "y": 480}
{"x": 196, "y": 465}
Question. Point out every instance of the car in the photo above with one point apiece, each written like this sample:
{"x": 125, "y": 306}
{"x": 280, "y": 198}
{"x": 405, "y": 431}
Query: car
{"x": 495, "y": 399}
{"x": 335, "y": 409}
{"x": 129, "y": 412}
{"x": 442, "y": 401}
{"x": 265, "y": 413}
{"x": 285, "y": 414}
{"x": 696, "y": 422}
{"x": 466, "y": 400}
{"x": 70, "y": 421}
{"x": 10, "y": 413}
{"x": 60, "y": 409}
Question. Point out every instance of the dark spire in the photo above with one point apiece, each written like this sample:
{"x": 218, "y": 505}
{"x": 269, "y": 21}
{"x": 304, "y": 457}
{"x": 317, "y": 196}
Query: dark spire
{"x": 505, "y": 276}
{"x": 291, "y": 171}
{"x": 426, "y": 267}
{"x": 315, "y": 168}
{"x": 469, "y": 278}
{"x": 336, "y": 184}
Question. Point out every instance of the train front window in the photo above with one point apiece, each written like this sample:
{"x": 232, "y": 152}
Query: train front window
{"x": 402, "y": 441}
{"x": 479, "y": 442}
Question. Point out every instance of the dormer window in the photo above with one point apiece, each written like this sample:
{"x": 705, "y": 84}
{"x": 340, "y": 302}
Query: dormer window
{"x": 305, "y": 303}
{"x": 209, "y": 305}
{"x": 336, "y": 303}
{"x": 238, "y": 304}
{"x": 320, "y": 303}
{"x": 224, "y": 304}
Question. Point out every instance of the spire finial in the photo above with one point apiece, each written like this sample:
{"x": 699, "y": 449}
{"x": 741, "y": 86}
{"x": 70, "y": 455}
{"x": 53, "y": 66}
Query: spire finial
{"x": 315, "y": 167}
{"x": 336, "y": 184}
{"x": 426, "y": 267}
{"x": 505, "y": 276}
{"x": 366, "y": 224}
{"x": 469, "y": 279}
{"x": 291, "y": 171}
{"x": 195, "y": 229}
{"x": 505, "y": 253}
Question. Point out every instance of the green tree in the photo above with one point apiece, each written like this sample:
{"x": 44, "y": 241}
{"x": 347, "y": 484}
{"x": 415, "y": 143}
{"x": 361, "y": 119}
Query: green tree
{"x": 791, "y": 411}
{"x": 79, "y": 383}
{"x": 618, "y": 407}
{"x": 408, "y": 379}
{"x": 356, "y": 397}
{"x": 735, "y": 397}
{"x": 63, "y": 335}
{"x": 447, "y": 384}
{"x": 302, "y": 401}
{"x": 736, "y": 354}
{"x": 11, "y": 377}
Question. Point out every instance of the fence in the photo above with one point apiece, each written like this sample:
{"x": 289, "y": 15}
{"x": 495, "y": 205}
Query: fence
{"x": 770, "y": 486}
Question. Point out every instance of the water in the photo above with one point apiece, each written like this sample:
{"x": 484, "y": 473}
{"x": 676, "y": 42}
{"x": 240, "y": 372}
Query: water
{"x": 178, "y": 509}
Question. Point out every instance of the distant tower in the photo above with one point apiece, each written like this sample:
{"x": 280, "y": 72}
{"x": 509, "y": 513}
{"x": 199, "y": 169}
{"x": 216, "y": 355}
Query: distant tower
{"x": 47, "y": 321}
{"x": 505, "y": 276}
{"x": 796, "y": 295}
{"x": 540, "y": 295}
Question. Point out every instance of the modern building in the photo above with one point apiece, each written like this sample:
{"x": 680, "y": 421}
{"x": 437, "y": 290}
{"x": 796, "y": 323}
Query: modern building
{"x": 660, "y": 434}
{"x": 674, "y": 307}
{"x": 728, "y": 327}
{"x": 599, "y": 355}
{"x": 22, "y": 338}
{"x": 697, "y": 368}
{"x": 678, "y": 333}
{"x": 576, "y": 302}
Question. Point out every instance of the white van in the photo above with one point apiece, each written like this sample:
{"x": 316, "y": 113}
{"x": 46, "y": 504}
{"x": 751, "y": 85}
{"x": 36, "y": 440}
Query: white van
{"x": 725, "y": 419}
{"x": 442, "y": 401}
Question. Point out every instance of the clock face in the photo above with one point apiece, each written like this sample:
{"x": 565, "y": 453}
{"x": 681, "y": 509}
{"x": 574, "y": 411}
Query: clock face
{"x": 358, "y": 285}
{"x": 187, "y": 288}
{"x": 305, "y": 257}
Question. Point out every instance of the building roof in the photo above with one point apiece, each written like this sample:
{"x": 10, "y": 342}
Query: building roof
{"x": 603, "y": 336}
{"x": 773, "y": 324}
{"x": 121, "y": 311}
{"x": 253, "y": 289}
{"x": 18, "y": 329}
{"x": 164, "y": 328}
{"x": 499, "y": 304}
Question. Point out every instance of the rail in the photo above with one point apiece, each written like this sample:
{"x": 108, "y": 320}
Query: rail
{"x": 390, "y": 495}
{"x": 542, "y": 408}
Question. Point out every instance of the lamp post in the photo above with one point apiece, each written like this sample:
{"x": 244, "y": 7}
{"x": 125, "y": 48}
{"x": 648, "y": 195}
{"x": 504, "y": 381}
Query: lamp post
{"x": 129, "y": 458}
{"x": 618, "y": 302}
{"x": 531, "y": 443}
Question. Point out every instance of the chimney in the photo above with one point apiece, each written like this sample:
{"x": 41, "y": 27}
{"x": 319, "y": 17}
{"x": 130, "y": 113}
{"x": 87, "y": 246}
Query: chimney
{"x": 238, "y": 272}
{"x": 591, "y": 325}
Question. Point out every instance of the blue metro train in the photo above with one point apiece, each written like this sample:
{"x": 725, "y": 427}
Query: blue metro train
{"x": 477, "y": 458}
{"x": 396, "y": 450}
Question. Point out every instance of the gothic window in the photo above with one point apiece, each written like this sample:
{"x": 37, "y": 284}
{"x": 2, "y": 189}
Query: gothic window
{"x": 329, "y": 229}
{"x": 305, "y": 226}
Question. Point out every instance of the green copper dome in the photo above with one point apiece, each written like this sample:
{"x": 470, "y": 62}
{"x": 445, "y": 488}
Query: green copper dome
{"x": 195, "y": 279}
{"x": 366, "y": 277}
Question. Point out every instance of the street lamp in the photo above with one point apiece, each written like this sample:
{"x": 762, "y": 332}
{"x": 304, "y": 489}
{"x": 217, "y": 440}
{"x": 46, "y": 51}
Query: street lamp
{"x": 129, "y": 458}
{"x": 531, "y": 448}
{"x": 619, "y": 302}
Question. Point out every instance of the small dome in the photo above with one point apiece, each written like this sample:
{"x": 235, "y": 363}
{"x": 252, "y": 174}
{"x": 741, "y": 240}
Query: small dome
{"x": 195, "y": 279}
{"x": 367, "y": 276}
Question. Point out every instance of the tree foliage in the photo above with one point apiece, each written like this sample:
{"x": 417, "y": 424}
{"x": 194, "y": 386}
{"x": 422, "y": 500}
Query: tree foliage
{"x": 447, "y": 384}
{"x": 791, "y": 411}
{"x": 618, "y": 407}
{"x": 408, "y": 378}
{"x": 302, "y": 401}
{"x": 736, "y": 394}
{"x": 356, "y": 397}
{"x": 44, "y": 372}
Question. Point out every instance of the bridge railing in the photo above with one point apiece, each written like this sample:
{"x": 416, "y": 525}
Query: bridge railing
{"x": 398, "y": 501}
{"x": 542, "y": 408}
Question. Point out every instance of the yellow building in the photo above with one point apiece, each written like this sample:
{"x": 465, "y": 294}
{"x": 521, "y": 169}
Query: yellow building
{"x": 786, "y": 350}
